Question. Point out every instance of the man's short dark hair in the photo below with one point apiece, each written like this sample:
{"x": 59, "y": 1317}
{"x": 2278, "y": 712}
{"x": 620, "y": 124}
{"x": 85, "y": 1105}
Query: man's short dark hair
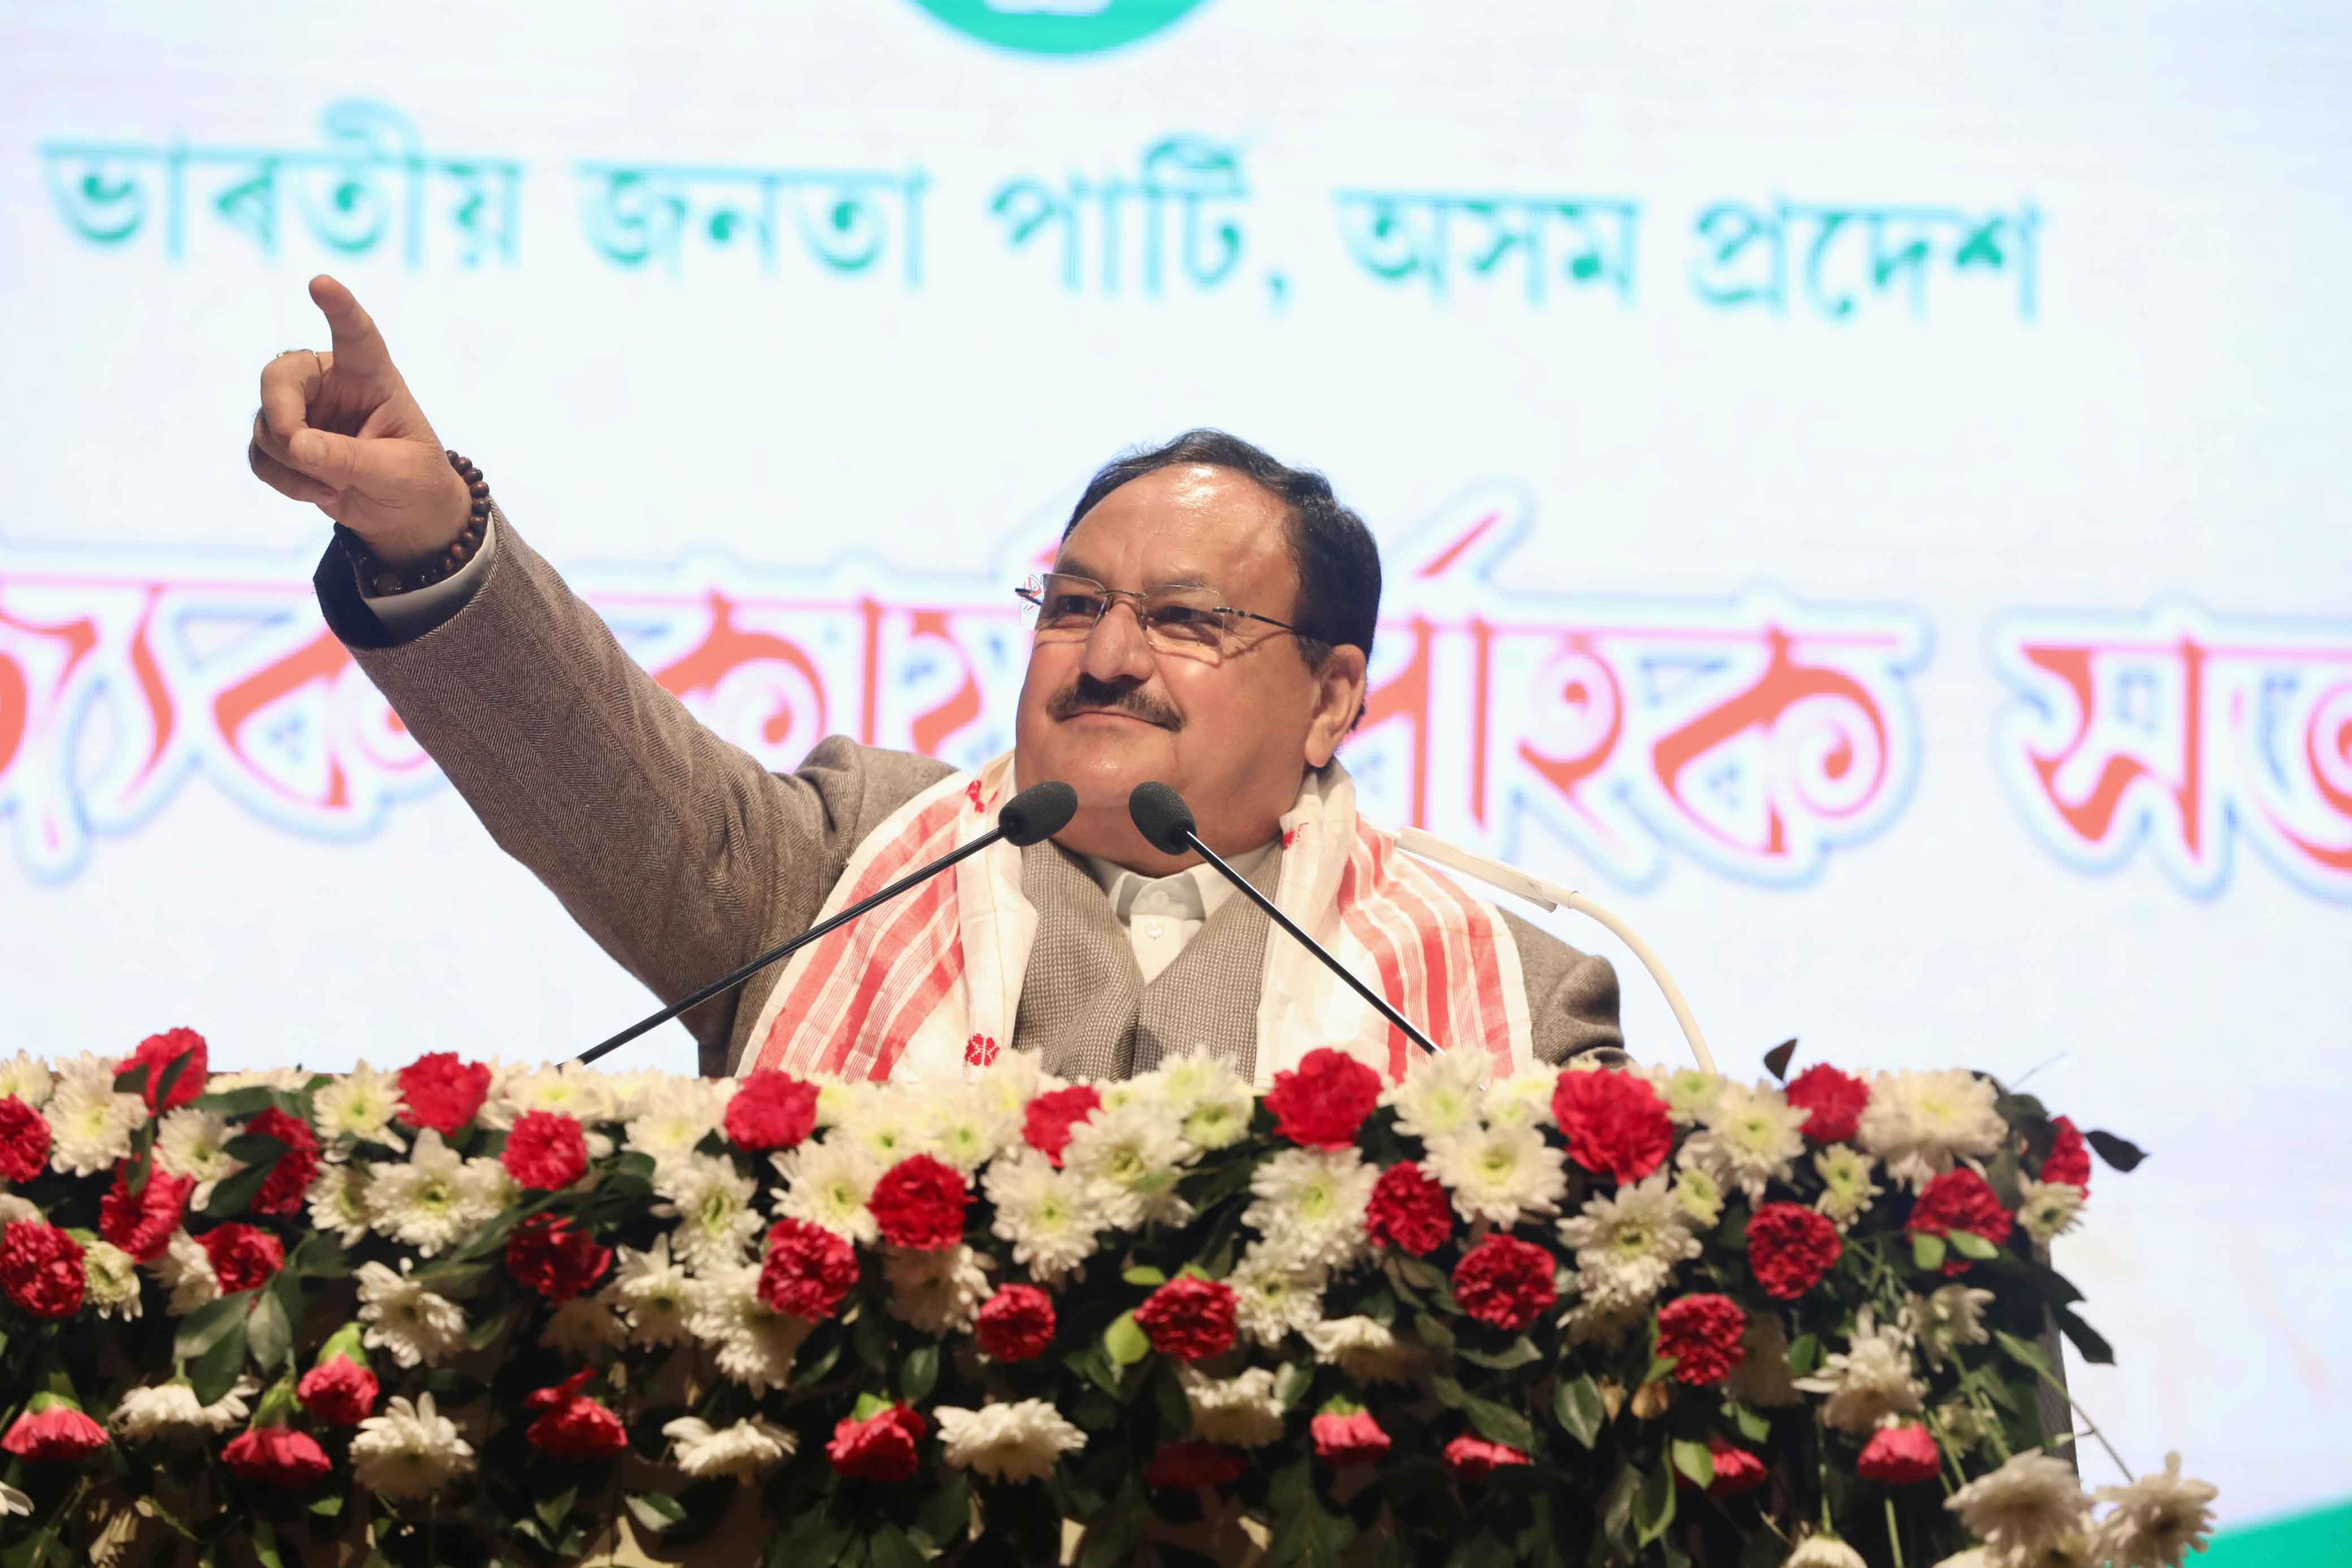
{"x": 1337, "y": 560}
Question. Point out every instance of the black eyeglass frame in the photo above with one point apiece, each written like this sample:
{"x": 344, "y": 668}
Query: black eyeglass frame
{"x": 1036, "y": 601}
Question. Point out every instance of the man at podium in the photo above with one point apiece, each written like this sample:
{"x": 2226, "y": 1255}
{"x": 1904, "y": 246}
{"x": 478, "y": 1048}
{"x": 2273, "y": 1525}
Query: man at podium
{"x": 1206, "y": 625}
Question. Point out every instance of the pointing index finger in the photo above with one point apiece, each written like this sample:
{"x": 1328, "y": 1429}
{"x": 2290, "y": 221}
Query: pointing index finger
{"x": 358, "y": 345}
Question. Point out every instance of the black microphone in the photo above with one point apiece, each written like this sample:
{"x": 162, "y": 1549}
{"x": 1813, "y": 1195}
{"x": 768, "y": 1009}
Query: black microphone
{"x": 1166, "y": 823}
{"x": 1037, "y": 813}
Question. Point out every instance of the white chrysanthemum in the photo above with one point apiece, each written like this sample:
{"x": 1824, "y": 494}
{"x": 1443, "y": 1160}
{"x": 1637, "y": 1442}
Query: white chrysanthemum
{"x": 2157, "y": 1520}
{"x": 1522, "y": 1099}
{"x": 631, "y": 1094}
{"x": 1021, "y": 1441}
{"x": 195, "y": 1143}
{"x": 881, "y": 1125}
{"x": 712, "y": 1203}
{"x": 940, "y": 1292}
{"x": 89, "y": 1123}
{"x": 746, "y": 1450}
{"x": 1310, "y": 1204}
{"x": 674, "y": 1114}
{"x": 1867, "y": 1381}
{"x": 2026, "y": 1507}
{"x": 839, "y": 1100}
{"x": 112, "y": 1277}
{"x": 1441, "y": 1094}
{"x": 962, "y": 1129}
{"x": 1184, "y": 1081}
{"x": 1960, "y": 1426}
{"x": 1365, "y": 1349}
{"x": 584, "y": 1326}
{"x": 567, "y": 1087}
{"x": 1045, "y": 1213}
{"x": 404, "y": 1318}
{"x": 1687, "y": 1091}
{"x": 186, "y": 1271}
{"x": 1627, "y": 1243}
{"x": 654, "y": 1295}
{"x": 1006, "y": 1085}
{"x": 755, "y": 1343}
{"x": 435, "y": 1199}
{"x": 28, "y": 1078}
{"x": 409, "y": 1450}
{"x": 359, "y": 1106}
{"x": 1125, "y": 1161}
{"x": 1920, "y": 1123}
{"x": 1243, "y": 1410}
{"x": 1762, "y": 1378}
{"x": 827, "y": 1183}
{"x": 1218, "y": 1115}
{"x": 2047, "y": 1209}
{"x": 1847, "y": 1189}
{"x": 1948, "y": 1318}
{"x": 1748, "y": 1137}
{"x": 170, "y": 1409}
{"x": 1824, "y": 1551}
{"x": 1503, "y": 1174}
{"x": 1273, "y": 1296}
{"x": 338, "y": 1202}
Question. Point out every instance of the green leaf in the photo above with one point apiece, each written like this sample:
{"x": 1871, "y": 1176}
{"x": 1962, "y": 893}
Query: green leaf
{"x": 1449, "y": 1392}
{"x": 1654, "y": 1506}
{"x": 1969, "y": 1244}
{"x": 253, "y": 1149}
{"x": 1776, "y": 1061}
{"x": 919, "y": 1373}
{"x": 1143, "y": 1274}
{"x": 1518, "y": 1353}
{"x": 1433, "y": 1332}
{"x": 2025, "y": 1352}
{"x": 233, "y": 1195}
{"x": 1501, "y": 1424}
{"x": 2086, "y": 1340}
{"x": 2121, "y": 1153}
{"x": 1804, "y": 1356}
{"x": 871, "y": 1342}
{"x": 215, "y": 1371}
{"x": 654, "y": 1511}
{"x": 1753, "y": 1424}
{"x": 269, "y": 1333}
{"x": 889, "y": 1548}
{"x": 203, "y": 1329}
{"x": 265, "y": 1544}
{"x": 1694, "y": 1461}
{"x": 327, "y": 1507}
{"x": 1926, "y": 1252}
{"x": 1292, "y": 1387}
{"x": 1577, "y": 1405}
{"x": 553, "y": 1508}
{"x": 945, "y": 1516}
{"x": 235, "y": 1104}
{"x": 483, "y": 1335}
{"x": 1125, "y": 1342}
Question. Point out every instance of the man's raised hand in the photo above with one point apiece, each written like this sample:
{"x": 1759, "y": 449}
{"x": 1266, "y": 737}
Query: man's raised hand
{"x": 340, "y": 430}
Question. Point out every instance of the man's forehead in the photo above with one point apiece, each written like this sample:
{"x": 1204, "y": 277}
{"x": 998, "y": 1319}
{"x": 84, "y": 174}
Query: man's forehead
{"x": 1188, "y": 524}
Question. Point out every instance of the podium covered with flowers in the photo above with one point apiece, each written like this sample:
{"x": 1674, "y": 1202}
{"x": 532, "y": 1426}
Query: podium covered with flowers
{"x": 470, "y": 1313}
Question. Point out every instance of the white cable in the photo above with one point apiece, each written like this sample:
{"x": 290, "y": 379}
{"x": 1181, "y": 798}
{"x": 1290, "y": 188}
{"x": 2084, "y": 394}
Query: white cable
{"x": 1551, "y": 895}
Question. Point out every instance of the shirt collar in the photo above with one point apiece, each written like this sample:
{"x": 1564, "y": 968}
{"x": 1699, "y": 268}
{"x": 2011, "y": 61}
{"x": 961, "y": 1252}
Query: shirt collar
{"x": 1193, "y": 894}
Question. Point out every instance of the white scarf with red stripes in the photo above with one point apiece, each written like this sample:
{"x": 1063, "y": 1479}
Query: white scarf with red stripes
{"x": 926, "y": 985}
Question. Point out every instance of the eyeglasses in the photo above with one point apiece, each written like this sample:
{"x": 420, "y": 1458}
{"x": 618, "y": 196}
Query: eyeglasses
{"x": 1186, "y": 621}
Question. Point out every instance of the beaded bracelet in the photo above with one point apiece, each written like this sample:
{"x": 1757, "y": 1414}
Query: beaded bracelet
{"x": 380, "y": 580}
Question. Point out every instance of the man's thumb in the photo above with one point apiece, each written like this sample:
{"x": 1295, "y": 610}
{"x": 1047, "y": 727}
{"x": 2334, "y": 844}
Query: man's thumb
{"x": 329, "y": 458}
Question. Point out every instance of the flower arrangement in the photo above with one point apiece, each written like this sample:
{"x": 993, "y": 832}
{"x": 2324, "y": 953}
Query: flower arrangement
{"x": 474, "y": 1313}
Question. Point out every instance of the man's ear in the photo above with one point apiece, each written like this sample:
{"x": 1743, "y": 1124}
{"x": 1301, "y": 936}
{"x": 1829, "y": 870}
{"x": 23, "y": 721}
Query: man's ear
{"x": 1338, "y": 698}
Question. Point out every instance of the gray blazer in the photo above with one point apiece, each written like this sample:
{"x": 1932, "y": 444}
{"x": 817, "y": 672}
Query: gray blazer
{"x": 683, "y": 857}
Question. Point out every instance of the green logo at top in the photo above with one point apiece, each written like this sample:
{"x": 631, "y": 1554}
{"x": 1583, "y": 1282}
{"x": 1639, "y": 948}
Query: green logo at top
{"x": 1058, "y": 26}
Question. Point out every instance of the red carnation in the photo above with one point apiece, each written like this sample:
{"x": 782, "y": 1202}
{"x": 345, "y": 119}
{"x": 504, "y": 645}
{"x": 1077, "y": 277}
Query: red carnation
{"x": 24, "y": 1140}
{"x": 1705, "y": 1334}
{"x": 1614, "y": 1123}
{"x": 808, "y": 1269}
{"x": 879, "y": 1448}
{"x": 1189, "y": 1318}
{"x": 53, "y": 1433}
{"x": 1504, "y": 1282}
{"x": 1016, "y": 1323}
{"x": 546, "y": 1150}
{"x": 555, "y": 1257}
{"x": 142, "y": 1223}
{"x": 278, "y": 1457}
{"x": 1836, "y": 1100}
{"x": 573, "y": 1425}
{"x": 919, "y": 1203}
{"x": 1353, "y": 1439}
{"x": 1736, "y": 1470}
{"x": 288, "y": 1186}
{"x": 442, "y": 1093}
{"x": 1050, "y": 1116}
{"x": 1959, "y": 1199}
{"x": 41, "y": 1269}
{"x": 2069, "y": 1157}
{"x": 1409, "y": 1211}
{"x": 1900, "y": 1455}
{"x": 1189, "y": 1464}
{"x": 244, "y": 1256}
{"x": 770, "y": 1110}
{"x": 1474, "y": 1459}
{"x": 1323, "y": 1100}
{"x": 1790, "y": 1248}
{"x": 158, "y": 1052}
{"x": 339, "y": 1391}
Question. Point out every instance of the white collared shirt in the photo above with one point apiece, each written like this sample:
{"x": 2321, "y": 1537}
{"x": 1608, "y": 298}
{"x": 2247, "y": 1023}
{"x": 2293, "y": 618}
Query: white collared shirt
{"x": 1161, "y": 913}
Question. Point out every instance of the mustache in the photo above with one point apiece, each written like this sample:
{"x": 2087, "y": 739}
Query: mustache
{"x": 1087, "y": 694}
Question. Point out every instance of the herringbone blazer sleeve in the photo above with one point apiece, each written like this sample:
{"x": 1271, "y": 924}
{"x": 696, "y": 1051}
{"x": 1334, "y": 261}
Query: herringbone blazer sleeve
{"x": 1571, "y": 995}
{"x": 675, "y": 850}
